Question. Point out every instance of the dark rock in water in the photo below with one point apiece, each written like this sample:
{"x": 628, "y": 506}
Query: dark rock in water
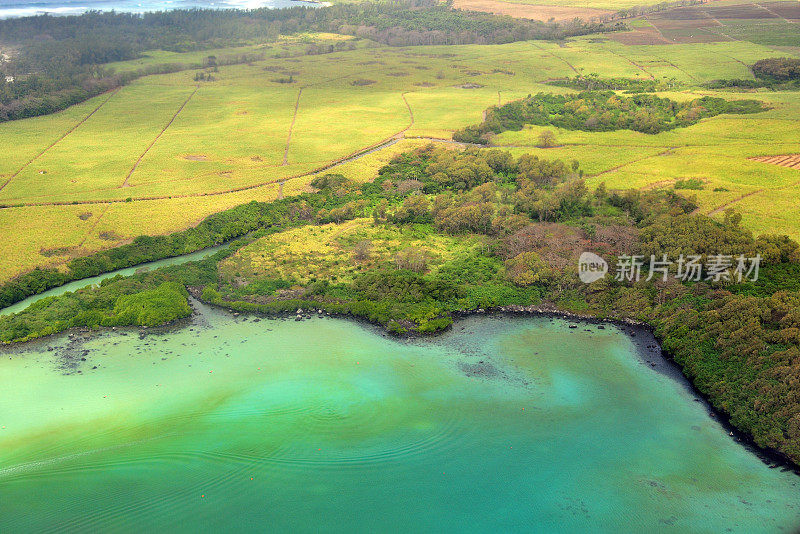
{"x": 601, "y": 327}
{"x": 480, "y": 369}
{"x": 95, "y": 367}
{"x": 573, "y": 326}
{"x": 298, "y": 318}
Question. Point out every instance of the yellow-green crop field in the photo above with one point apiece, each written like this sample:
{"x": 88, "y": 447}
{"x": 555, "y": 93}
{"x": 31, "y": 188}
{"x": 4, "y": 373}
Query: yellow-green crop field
{"x": 165, "y": 151}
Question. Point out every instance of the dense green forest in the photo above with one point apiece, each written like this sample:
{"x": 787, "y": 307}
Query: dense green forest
{"x": 60, "y": 60}
{"x": 601, "y": 111}
{"x": 527, "y": 220}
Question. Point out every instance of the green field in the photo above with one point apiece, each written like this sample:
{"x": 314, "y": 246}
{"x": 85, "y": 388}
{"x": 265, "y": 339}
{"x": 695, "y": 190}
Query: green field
{"x": 165, "y": 151}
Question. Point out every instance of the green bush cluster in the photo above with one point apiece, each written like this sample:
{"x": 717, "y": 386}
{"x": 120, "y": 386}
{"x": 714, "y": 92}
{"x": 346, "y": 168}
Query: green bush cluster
{"x": 601, "y": 111}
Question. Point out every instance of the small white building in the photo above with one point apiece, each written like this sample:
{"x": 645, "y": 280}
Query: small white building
{"x": 9, "y": 79}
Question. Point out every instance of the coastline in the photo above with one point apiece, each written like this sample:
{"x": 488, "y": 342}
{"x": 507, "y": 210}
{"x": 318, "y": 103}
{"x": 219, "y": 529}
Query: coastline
{"x": 647, "y": 348}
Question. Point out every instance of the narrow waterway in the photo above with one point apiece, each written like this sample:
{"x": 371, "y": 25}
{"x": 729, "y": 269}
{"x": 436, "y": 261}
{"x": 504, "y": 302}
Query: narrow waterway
{"x": 95, "y": 280}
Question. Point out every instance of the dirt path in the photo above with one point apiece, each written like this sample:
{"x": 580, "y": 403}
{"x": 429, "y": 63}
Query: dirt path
{"x": 734, "y": 201}
{"x": 153, "y": 142}
{"x": 291, "y": 127}
{"x": 674, "y": 66}
{"x": 632, "y": 62}
{"x": 735, "y": 59}
{"x": 54, "y": 143}
{"x": 410, "y": 112}
{"x": 669, "y": 150}
{"x": 710, "y": 17}
{"x": 96, "y": 222}
{"x": 553, "y": 54}
{"x": 658, "y": 32}
{"x": 768, "y": 10}
{"x": 719, "y": 34}
{"x": 747, "y": 195}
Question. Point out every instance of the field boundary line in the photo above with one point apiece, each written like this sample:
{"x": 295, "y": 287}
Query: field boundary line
{"x": 733, "y": 58}
{"x": 153, "y": 142}
{"x": 734, "y": 201}
{"x": 411, "y": 112}
{"x": 658, "y": 31}
{"x": 674, "y": 66}
{"x": 567, "y": 63}
{"x": 711, "y": 17}
{"x": 291, "y": 127}
{"x": 54, "y": 143}
{"x": 721, "y": 34}
{"x": 632, "y": 62}
{"x": 768, "y": 10}
{"x": 91, "y": 229}
{"x": 668, "y": 151}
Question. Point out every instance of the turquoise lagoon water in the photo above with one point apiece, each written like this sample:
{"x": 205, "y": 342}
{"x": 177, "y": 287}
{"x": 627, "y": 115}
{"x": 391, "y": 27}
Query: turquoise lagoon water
{"x": 243, "y": 425}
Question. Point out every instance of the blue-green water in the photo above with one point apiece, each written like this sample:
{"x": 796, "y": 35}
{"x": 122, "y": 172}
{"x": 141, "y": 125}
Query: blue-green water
{"x": 236, "y": 424}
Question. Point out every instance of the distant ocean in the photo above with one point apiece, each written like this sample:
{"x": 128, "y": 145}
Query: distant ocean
{"x": 24, "y": 8}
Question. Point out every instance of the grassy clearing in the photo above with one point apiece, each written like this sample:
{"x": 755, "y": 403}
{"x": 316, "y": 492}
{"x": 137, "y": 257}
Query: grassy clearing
{"x": 331, "y": 251}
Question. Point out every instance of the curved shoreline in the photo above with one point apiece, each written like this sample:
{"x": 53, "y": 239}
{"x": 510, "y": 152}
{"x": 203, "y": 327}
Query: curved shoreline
{"x": 647, "y": 348}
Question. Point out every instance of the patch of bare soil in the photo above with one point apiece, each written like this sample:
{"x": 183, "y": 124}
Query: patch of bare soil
{"x": 196, "y": 157}
{"x": 58, "y": 251}
{"x": 791, "y": 160}
{"x": 534, "y": 12}
{"x": 645, "y": 36}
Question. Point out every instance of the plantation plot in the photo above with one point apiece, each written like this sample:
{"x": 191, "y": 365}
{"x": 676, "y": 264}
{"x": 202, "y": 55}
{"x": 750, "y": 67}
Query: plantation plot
{"x": 31, "y": 138}
{"x": 438, "y": 113}
{"x": 334, "y": 122}
{"x": 222, "y": 130}
{"x": 772, "y": 211}
{"x": 43, "y": 235}
{"x": 99, "y": 154}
